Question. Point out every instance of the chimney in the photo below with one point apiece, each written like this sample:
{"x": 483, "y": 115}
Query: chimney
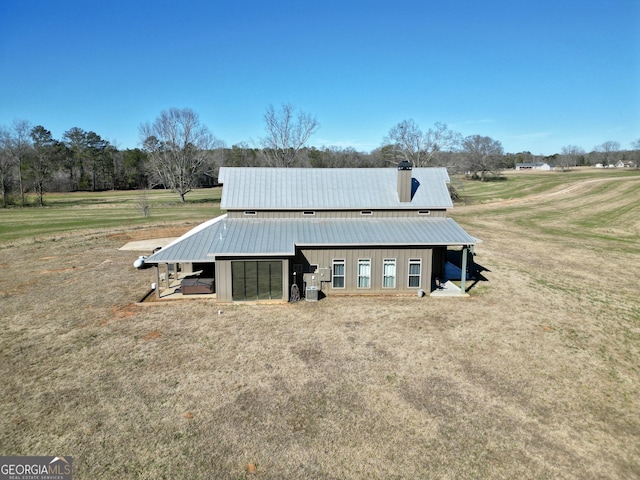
{"x": 404, "y": 181}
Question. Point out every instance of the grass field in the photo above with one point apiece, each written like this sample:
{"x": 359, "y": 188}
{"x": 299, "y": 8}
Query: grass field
{"x": 535, "y": 375}
{"x": 70, "y": 212}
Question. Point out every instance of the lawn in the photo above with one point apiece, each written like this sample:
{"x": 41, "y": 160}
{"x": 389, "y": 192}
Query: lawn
{"x": 66, "y": 213}
{"x": 535, "y": 375}
{"x": 513, "y": 185}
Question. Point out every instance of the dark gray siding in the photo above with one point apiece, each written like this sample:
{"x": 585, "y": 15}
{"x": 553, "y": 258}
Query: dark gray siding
{"x": 324, "y": 259}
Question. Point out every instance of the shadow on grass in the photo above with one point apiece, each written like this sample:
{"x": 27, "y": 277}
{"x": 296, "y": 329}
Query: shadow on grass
{"x": 487, "y": 179}
{"x": 203, "y": 200}
{"x": 474, "y": 270}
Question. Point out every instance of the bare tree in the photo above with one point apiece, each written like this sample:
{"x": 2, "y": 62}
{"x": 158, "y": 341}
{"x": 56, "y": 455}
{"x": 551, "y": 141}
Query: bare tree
{"x": 177, "y": 145}
{"x": 143, "y": 204}
{"x": 608, "y": 152}
{"x": 287, "y": 133}
{"x": 20, "y": 146}
{"x": 483, "y": 155}
{"x": 7, "y": 165}
{"x": 569, "y": 156}
{"x": 418, "y": 148}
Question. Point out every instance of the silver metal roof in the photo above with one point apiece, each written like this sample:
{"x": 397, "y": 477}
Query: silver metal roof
{"x": 271, "y": 237}
{"x": 260, "y": 188}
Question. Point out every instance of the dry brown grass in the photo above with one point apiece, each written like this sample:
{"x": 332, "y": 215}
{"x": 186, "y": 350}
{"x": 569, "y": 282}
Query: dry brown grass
{"x": 535, "y": 375}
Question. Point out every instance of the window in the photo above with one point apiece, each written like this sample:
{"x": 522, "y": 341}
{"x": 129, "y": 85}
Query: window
{"x": 424, "y": 212}
{"x": 366, "y": 212}
{"x": 308, "y": 213}
{"x": 250, "y": 213}
{"x": 364, "y": 273}
{"x": 415, "y": 271}
{"x": 338, "y": 273}
{"x": 389, "y": 273}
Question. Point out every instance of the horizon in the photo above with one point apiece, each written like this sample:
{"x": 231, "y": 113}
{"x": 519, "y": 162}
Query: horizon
{"x": 535, "y": 77}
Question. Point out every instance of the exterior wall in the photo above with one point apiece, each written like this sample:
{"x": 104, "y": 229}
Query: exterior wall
{"x": 187, "y": 268}
{"x": 223, "y": 281}
{"x": 338, "y": 213}
{"x": 224, "y": 290}
{"x": 324, "y": 259}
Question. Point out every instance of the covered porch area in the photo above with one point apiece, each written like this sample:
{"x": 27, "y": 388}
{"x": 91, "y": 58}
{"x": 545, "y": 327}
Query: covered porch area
{"x": 182, "y": 280}
{"x": 459, "y": 267}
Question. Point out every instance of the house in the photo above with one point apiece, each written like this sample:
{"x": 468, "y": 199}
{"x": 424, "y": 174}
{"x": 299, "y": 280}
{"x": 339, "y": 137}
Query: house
{"x": 625, "y": 164}
{"x": 311, "y": 230}
{"x": 534, "y": 166}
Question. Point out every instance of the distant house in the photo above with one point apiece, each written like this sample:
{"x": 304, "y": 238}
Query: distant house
{"x": 534, "y": 166}
{"x": 624, "y": 164}
{"x": 334, "y": 231}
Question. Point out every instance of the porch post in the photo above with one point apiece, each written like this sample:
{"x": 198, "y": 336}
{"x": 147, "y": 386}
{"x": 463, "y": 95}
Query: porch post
{"x": 463, "y": 275}
{"x": 158, "y": 280}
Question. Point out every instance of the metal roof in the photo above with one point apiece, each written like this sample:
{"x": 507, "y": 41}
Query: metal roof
{"x": 223, "y": 236}
{"x": 263, "y": 188}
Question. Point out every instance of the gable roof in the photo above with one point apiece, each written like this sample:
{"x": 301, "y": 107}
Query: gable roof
{"x": 229, "y": 237}
{"x": 264, "y": 188}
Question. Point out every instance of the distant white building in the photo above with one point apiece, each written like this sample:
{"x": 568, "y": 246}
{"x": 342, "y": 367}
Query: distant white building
{"x": 534, "y": 166}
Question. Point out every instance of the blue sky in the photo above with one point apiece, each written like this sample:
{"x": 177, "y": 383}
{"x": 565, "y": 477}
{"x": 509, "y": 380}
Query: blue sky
{"x": 536, "y": 75}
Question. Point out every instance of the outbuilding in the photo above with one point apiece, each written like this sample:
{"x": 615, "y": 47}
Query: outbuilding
{"x": 545, "y": 167}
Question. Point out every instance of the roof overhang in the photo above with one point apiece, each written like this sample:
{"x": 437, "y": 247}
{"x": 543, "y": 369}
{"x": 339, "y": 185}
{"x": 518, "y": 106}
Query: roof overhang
{"x": 255, "y": 237}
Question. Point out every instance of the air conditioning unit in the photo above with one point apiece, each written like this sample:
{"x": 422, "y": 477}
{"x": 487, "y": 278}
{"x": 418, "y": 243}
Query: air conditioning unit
{"x": 311, "y": 294}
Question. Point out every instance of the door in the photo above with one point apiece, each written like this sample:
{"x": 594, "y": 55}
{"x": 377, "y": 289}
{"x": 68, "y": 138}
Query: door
{"x": 256, "y": 280}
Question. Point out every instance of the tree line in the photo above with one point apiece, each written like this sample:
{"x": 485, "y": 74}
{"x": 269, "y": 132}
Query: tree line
{"x": 178, "y": 152}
